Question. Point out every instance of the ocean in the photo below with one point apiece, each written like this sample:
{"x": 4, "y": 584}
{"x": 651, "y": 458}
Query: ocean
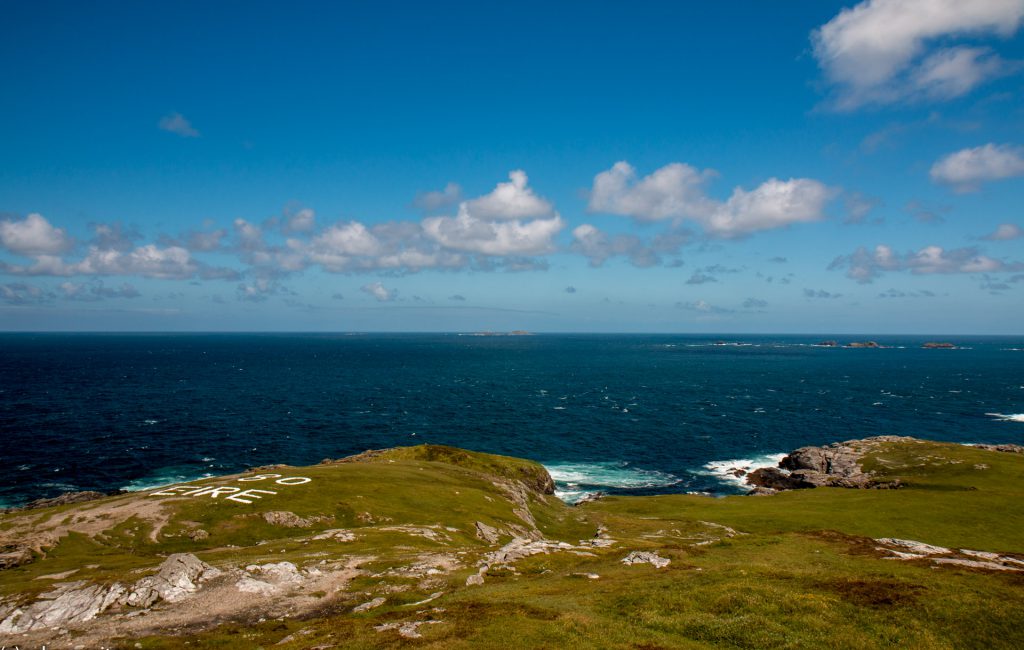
{"x": 634, "y": 414}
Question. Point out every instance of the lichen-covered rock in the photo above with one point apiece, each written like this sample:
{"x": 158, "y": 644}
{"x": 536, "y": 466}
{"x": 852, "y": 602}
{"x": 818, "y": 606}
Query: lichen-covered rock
{"x": 646, "y": 557}
{"x": 178, "y": 576}
{"x": 70, "y": 602}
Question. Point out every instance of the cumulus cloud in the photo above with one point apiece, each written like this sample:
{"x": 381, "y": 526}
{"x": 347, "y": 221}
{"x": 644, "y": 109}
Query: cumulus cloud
{"x": 466, "y": 232}
{"x": 570, "y": 289}
{"x": 511, "y": 200}
{"x": 887, "y": 51}
{"x": 457, "y": 297}
{"x": 754, "y": 303}
{"x": 302, "y": 220}
{"x": 379, "y": 291}
{"x": 33, "y": 235}
{"x": 858, "y": 206}
{"x": 821, "y": 293}
{"x": 259, "y": 289}
{"x": 177, "y": 123}
{"x": 93, "y": 291}
{"x": 20, "y": 293}
{"x": 676, "y": 192}
{"x": 701, "y": 278}
{"x": 598, "y": 246}
{"x": 865, "y": 265}
{"x": 438, "y": 199}
{"x": 1005, "y": 232}
{"x": 703, "y": 307}
{"x": 967, "y": 169}
{"x": 895, "y": 293}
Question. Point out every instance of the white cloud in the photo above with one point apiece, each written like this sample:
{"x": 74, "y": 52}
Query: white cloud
{"x": 966, "y": 169}
{"x": 20, "y": 293}
{"x": 93, "y": 291}
{"x": 1005, "y": 232}
{"x": 864, "y": 266}
{"x": 597, "y": 246}
{"x": 33, "y": 235}
{"x": 466, "y": 232}
{"x": 511, "y": 200}
{"x": 878, "y": 51}
{"x": 177, "y": 123}
{"x": 773, "y": 204}
{"x": 703, "y": 307}
{"x": 302, "y": 220}
{"x": 676, "y": 191}
{"x": 437, "y": 200}
{"x": 379, "y": 291}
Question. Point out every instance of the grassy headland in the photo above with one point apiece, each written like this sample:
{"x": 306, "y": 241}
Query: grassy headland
{"x": 401, "y": 533}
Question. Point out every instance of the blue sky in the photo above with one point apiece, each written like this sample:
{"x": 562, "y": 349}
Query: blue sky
{"x": 668, "y": 167}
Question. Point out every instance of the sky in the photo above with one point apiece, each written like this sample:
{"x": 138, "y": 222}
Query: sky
{"x": 733, "y": 167}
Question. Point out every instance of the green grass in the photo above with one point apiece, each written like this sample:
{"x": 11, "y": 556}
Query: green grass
{"x": 803, "y": 573}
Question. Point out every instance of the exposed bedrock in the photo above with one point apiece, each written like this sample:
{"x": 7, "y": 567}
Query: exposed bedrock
{"x": 834, "y": 465}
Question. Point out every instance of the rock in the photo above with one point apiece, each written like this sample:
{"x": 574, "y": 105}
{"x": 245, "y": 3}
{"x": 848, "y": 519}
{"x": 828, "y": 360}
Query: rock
{"x": 911, "y": 546}
{"x": 863, "y": 344}
{"x": 336, "y": 534}
{"x": 645, "y": 557}
{"x": 198, "y": 535}
{"x": 406, "y": 630}
{"x": 288, "y": 519}
{"x": 70, "y": 602}
{"x": 835, "y": 465}
{"x": 178, "y": 576}
{"x": 762, "y": 492}
{"x": 932, "y": 345}
{"x": 13, "y": 556}
{"x": 474, "y": 580}
{"x": 66, "y": 498}
{"x": 828, "y": 344}
{"x": 367, "y": 606}
{"x": 276, "y": 572}
{"x": 588, "y": 576}
{"x": 489, "y": 534}
{"x": 1009, "y": 449}
{"x": 775, "y": 479}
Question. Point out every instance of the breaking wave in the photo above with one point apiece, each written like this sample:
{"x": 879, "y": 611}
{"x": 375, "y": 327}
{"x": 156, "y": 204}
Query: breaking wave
{"x": 576, "y": 481}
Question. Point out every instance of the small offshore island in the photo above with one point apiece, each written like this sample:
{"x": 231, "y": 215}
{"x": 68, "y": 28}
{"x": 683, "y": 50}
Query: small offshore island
{"x": 439, "y": 547}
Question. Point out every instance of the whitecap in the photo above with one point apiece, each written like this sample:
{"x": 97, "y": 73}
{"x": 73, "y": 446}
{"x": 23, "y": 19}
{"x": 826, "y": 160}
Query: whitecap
{"x": 1011, "y": 417}
{"x": 166, "y": 476}
{"x": 726, "y": 471}
{"x": 576, "y": 481}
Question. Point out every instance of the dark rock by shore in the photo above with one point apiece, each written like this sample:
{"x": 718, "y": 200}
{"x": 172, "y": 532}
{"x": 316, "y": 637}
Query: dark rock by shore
{"x": 933, "y": 345}
{"x": 835, "y": 465}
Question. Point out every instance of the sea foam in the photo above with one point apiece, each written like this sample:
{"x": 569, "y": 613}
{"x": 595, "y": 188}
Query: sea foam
{"x": 726, "y": 471}
{"x": 576, "y": 481}
{"x": 1011, "y": 417}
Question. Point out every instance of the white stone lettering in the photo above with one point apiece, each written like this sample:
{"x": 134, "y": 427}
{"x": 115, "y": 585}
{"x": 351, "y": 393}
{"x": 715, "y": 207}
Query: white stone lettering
{"x": 293, "y": 480}
{"x": 248, "y": 493}
{"x": 215, "y": 491}
{"x": 171, "y": 491}
{"x": 259, "y": 477}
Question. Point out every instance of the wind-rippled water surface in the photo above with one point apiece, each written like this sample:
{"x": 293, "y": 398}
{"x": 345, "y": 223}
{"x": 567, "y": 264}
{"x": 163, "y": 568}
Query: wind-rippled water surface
{"x": 636, "y": 413}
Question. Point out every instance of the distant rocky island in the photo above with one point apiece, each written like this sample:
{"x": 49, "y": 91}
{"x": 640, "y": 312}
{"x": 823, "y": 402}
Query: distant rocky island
{"x": 489, "y": 333}
{"x": 452, "y": 548}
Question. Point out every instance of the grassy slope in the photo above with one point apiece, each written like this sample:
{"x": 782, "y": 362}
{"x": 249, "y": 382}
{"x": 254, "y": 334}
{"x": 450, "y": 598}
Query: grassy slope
{"x": 804, "y": 573}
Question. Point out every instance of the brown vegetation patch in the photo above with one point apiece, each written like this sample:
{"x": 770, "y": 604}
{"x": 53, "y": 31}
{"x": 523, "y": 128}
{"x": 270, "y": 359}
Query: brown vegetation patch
{"x": 874, "y": 593}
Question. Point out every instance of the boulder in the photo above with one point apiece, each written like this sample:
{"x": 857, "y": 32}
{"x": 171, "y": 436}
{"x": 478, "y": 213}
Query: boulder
{"x": 646, "y": 557}
{"x": 775, "y": 479}
{"x": 70, "y": 602}
{"x": 178, "y": 576}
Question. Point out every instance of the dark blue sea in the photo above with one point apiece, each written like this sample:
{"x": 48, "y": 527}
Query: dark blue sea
{"x": 617, "y": 413}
